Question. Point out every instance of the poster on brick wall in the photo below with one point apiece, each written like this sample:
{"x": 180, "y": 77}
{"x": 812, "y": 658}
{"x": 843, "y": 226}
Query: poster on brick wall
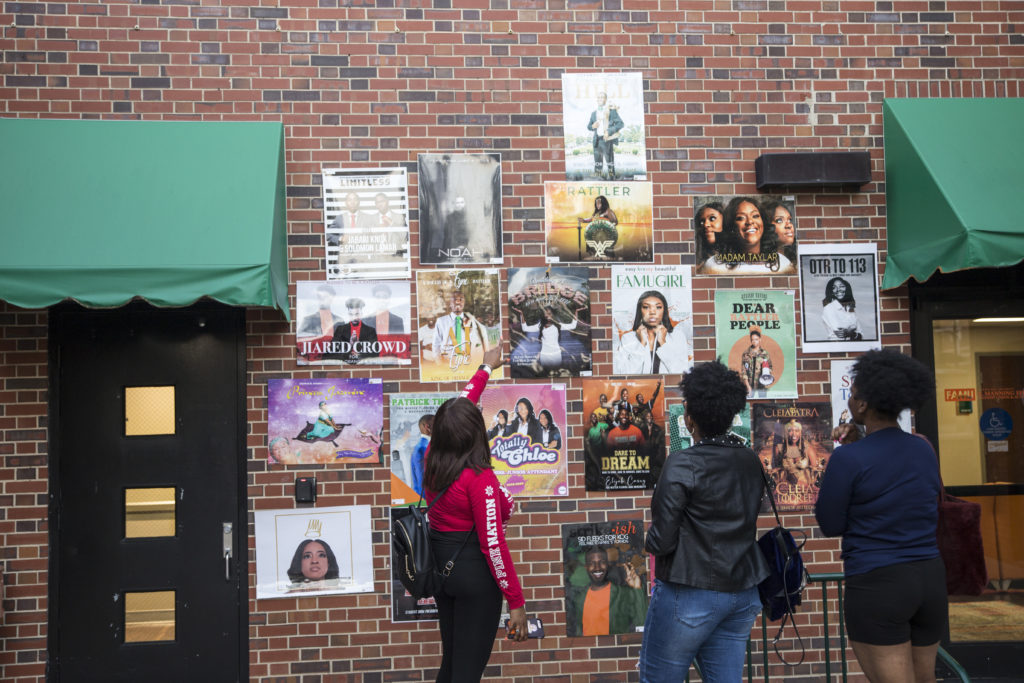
{"x": 624, "y": 439}
{"x": 680, "y": 438}
{"x": 745, "y": 235}
{"x": 599, "y": 221}
{"x": 652, "y": 316}
{"x": 325, "y": 420}
{"x": 841, "y": 373}
{"x": 755, "y": 335}
{"x": 411, "y": 419}
{"x": 460, "y": 208}
{"x": 366, "y": 223}
{"x": 527, "y": 433}
{"x": 604, "y": 565}
{"x": 793, "y": 442}
{"x": 321, "y": 551}
{"x": 363, "y": 322}
{"x": 549, "y": 322}
{"x": 459, "y": 318}
{"x": 839, "y": 298}
{"x": 603, "y": 124}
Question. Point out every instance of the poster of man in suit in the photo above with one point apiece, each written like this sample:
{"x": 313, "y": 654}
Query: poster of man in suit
{"x": 460, "y": 208}
{"x": 360, "y": 323}
{"x": 366, "y": 223}
{"x": 603, "y": 120}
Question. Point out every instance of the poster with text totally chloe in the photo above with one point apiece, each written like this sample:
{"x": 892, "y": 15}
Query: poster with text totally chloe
{"x": 745, "y": 235}
{"x": 527, "y": 433}
{"x": 603, "y": 122}
{"x": 325, "y": 420}
{"x": 624, "y": 441}
{"x": 793, "y": 442}
{"x": 652, "y": 316}
{"x": 549, "y": 322}
{"x": 839, "y": 297}
{"x": 459, "y": 319}
{"x": 599, "y": 221}
{"x": 363, "y": 322}
{"x": 460, "y": 208}
{"x": 755, "y": 335}
{"x": 366, "y": 219}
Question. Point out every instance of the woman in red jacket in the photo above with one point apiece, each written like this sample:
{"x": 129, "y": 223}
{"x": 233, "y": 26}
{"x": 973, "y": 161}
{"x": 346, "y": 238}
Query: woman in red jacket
{"x": 469, "y": 604}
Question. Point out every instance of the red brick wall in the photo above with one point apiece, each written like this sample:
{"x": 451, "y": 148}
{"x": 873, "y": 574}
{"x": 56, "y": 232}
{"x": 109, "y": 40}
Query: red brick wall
{"x": 358, "y": 85}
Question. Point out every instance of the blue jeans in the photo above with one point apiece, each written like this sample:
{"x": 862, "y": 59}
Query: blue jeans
{"x": 684, "y": 622}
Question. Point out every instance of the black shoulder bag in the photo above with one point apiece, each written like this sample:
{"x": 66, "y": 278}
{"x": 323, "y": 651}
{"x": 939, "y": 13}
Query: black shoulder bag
{"x": 411, "y": 554}
{"x": 783, "y": 588}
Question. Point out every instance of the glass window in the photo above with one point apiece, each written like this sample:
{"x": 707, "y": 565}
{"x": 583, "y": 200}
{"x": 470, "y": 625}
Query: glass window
{"x": 149, "y": 512}
{"x": 979, "y": 377}
{"x": 148, "y": 411}
{"x": 148, "y": 616}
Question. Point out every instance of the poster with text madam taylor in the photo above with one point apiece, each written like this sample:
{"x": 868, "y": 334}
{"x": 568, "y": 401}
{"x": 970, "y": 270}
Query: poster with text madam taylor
{"x": 325, "y": 420}
{"x": 755, "y": 334}
{"x": 527, "y": 432}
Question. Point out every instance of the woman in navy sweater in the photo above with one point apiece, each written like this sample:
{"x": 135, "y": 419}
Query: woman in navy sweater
{"x": 880, "y": 493}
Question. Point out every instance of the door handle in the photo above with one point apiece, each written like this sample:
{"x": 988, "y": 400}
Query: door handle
{"x": 228, "y": 536}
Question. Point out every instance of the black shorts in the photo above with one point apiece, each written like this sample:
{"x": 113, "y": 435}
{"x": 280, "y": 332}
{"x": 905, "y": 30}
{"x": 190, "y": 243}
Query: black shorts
{"x": 901, "y": 602}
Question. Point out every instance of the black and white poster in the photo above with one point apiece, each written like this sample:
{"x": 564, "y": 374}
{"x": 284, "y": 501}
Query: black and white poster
{"x": 460, "y": 208}
{"x": 839, "y": 297}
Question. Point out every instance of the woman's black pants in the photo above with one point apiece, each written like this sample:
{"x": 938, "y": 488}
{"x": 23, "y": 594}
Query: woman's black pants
{"x": 468, "y": 606}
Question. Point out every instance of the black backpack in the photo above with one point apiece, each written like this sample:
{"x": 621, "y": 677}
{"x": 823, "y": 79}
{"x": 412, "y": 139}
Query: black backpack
{"x": 411, "y": 554}
{"x": 783, "y": 588}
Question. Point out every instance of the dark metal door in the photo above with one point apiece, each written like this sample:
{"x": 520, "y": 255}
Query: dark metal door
{"x": 148, "y": 522}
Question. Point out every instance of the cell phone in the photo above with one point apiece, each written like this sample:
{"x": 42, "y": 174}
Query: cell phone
{"x": 534, "y": 628}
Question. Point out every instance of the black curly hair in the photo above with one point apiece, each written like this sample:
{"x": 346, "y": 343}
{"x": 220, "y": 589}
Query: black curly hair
{"x": 889, "y": 381}
{"x": 713, "y": 395}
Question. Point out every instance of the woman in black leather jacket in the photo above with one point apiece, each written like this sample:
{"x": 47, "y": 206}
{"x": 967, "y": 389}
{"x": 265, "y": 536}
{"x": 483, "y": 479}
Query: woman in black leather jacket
{"x": 704, "y": 538}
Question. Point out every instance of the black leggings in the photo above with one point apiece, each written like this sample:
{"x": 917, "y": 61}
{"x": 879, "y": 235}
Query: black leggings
{"x": 468, "y": 607}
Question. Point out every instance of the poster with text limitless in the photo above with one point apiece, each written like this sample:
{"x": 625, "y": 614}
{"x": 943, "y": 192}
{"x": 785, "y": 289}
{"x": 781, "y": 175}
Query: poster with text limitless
{"x": 366, "y": 219}
{"x": 603, "y": 123}
{"x": 606, "y": 573}
{"x": 839, "y": 297}
{"x": 460, "y": 208}
{"x": 652, "y": 316}
{"x": 549, "y": 322}
{"x": 459, "y": 319}
{"x": 364, "y": 322}
{"x": 599, "y": 221}
{"x": 527, "y": 433}
{"x": 745, "y": 235}
{"x": 624, "y": 438}
{"x": 325, "y": 420}
{"x": 755, "y": 335}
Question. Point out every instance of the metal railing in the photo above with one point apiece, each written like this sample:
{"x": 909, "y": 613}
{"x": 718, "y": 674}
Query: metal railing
{"x": 824, "y": 579}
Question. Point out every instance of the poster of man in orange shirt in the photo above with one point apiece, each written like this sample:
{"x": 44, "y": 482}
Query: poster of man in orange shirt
{"x": 606, "y": 579}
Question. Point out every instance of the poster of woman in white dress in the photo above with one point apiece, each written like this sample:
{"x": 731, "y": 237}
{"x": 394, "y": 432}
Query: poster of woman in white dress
{"x": 652, "y": 313}
{"x": 549, "y": 322}
{"x": 839, "y": 297}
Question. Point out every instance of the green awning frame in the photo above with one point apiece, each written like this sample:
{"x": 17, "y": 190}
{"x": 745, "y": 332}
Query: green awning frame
{"x": 953, "y": 175}
{"x": 101, "y": 212}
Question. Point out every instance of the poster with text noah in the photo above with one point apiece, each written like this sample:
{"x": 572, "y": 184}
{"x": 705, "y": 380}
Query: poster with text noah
{"x": 755, "y": 335}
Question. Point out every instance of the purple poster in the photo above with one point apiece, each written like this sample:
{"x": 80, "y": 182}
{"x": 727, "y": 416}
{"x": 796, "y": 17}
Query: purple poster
{"x": 325, "y": 420}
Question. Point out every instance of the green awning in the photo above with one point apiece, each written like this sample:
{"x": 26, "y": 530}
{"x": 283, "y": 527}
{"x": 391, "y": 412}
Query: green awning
{"x": 170, "y": 211}
{"x": 953, "y": 175}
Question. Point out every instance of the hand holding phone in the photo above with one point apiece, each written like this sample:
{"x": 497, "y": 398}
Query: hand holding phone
{"x": 534, "y": 629}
